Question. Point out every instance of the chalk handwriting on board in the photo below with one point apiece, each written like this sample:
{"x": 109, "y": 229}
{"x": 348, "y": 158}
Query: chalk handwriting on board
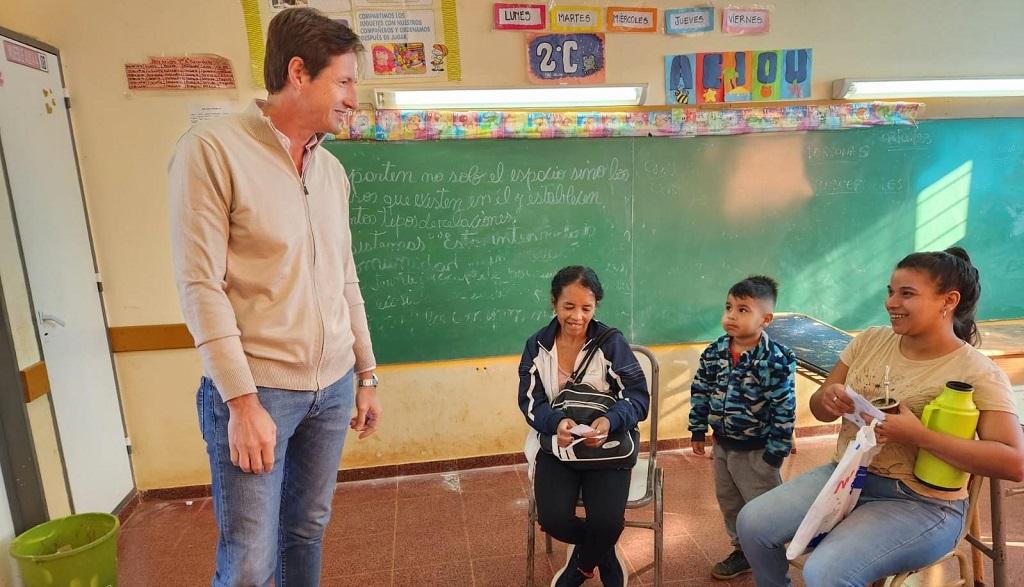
{"x": 417, "y": 236}
{"x": 456, "y": 241}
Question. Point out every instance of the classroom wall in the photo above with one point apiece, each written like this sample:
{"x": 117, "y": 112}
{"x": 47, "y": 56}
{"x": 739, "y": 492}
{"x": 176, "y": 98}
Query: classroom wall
{"x": 125, "y": 139}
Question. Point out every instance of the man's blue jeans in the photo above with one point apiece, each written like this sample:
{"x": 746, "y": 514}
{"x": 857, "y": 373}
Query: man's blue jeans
{"x": 891, "y": 530}
{"x": 271, "y": 525}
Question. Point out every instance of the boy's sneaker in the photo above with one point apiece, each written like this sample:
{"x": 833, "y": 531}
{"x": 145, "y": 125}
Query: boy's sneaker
{"x": 612, "y": 568}
{"x": 570, "y": 575}
{"x": 734, "y": 565}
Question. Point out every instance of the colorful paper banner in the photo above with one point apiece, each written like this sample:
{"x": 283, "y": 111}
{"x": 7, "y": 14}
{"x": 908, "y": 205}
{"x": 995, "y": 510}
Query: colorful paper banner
{"x": 745, "y": 21}
{"x": 632, "y": 20}
{"x": 689, "y": 21}
{"x": 575, "y": 19}
{"x": 738, "y": 76}
{"x": 395, "y": 125}
{"x": 561, "y": 59}
{"x": 521, "y": 17}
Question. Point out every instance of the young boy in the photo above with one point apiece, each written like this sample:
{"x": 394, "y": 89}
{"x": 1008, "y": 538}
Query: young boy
{"x": 744, "y": 388}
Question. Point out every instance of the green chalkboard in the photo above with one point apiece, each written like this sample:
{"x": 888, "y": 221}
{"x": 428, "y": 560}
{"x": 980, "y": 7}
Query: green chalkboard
{"x": 456, "y": 241}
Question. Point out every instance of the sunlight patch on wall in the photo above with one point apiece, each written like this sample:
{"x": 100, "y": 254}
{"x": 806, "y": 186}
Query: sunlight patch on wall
{"x": 942, "y": 210}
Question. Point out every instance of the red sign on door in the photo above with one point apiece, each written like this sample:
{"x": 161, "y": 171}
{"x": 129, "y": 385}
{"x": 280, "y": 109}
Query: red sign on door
{"x": 26, "y": 56}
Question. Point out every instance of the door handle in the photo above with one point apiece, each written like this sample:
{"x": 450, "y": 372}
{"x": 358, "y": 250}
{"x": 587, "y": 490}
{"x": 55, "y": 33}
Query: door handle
{"x": 44, "y": 317}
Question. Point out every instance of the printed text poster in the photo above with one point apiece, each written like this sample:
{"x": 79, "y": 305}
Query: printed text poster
{"x": 400, "y": 43}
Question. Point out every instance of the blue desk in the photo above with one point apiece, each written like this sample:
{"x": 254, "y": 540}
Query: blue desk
{"x": 817, "y": 345}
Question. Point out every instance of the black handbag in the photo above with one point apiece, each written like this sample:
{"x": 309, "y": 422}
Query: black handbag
{"x": 583, "y": 404}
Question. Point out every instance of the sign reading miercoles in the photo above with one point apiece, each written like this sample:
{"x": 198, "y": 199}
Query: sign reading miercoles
{"x": 738, "y": 76}
{"x": 522, "y": 17}
{"x": 632, "y": 20}
{"x": 745, "y": 21}
{"x": 575, "y": 19}
{"x": 687, "y": 21}
{"x": 560, "y": 59}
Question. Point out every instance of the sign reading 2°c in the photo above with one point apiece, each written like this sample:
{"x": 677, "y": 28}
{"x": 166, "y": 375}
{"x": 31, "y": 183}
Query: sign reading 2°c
{"x": 559, "y": 59}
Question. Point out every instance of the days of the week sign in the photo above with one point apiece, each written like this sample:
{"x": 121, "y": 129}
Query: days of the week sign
{"x": 520, "y": 17}
{"x": 576, "y": 19}
{"x": 632, "y": 20}
{"x": 688, "y": 21}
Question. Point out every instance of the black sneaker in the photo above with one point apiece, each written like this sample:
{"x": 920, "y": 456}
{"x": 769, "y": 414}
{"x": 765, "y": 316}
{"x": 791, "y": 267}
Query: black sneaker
{"x": 734, "y": 565}
{"x": 612, "y": 568}
{"x": 570, "y": 575}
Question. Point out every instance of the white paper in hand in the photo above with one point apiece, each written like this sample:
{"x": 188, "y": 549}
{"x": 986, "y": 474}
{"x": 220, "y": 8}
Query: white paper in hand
{"x": 580, "y": 430}
{"x": 862, "y": 406}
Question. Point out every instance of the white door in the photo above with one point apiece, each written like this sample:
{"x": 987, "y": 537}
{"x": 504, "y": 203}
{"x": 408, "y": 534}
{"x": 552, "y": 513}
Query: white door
{"x": 35, "y": 135}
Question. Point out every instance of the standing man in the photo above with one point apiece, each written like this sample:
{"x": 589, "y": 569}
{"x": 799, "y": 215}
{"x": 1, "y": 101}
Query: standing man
{"x": 268, "y": 287}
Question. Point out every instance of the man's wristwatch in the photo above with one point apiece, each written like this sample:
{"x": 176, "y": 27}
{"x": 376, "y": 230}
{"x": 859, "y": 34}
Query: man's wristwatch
{"x": 371, "y": 382}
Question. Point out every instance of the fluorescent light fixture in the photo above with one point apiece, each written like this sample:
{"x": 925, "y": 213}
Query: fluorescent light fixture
{"x": 928, "y": 88}
{"x": 496, "y": 98}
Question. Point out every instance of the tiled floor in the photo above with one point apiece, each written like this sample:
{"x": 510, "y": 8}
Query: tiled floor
{"x": 469, "y": 529}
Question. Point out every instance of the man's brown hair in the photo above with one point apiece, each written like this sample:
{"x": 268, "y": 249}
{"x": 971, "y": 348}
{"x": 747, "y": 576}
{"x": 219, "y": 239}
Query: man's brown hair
{"x": 309, "y": 35}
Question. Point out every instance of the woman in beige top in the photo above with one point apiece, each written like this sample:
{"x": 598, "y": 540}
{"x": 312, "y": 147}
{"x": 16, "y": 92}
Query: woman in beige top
{"x": 898, "y": 524}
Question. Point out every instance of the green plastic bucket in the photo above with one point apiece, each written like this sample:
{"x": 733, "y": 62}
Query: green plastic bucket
{"x": 76, "y": 551}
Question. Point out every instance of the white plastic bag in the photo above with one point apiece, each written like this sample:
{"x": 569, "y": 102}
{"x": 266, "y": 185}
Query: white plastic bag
{"x": 839, "y": 494}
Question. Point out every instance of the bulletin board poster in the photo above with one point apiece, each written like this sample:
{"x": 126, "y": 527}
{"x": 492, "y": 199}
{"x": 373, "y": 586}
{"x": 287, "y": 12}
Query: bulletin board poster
{"x": 404, "y": 39}
{"x": 738, "y": 76}
{"x": 400, "y": 43}
{"x": 557, "y": 59}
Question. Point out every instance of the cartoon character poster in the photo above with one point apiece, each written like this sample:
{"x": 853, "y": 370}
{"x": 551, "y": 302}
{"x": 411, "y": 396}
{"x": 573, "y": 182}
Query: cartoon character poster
{"x": 398, "y": 59}
{"x": 438, "y": 56}
{"x": 399, "y": 28}
{"x": 401, "y": 43}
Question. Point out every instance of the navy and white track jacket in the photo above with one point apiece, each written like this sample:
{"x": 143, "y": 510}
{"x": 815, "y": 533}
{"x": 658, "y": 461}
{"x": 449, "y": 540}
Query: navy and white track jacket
{"x": 614, "y": 369}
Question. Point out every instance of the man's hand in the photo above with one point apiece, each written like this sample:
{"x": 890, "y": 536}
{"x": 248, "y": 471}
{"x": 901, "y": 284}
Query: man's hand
{"x": 698, "y": 447}
{"x": 252, "y": 434}
{"x": 565, "y": 437}
{"x": 368, "y": 412}
{"x": 599, "y": 435}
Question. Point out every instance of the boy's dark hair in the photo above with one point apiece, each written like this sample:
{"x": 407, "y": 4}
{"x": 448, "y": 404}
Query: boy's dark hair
{"x": 758, "y": 287}
{"x": 952, "y": 270}
{"x": 308, "y": 34}
{"x": 585, "y": 276}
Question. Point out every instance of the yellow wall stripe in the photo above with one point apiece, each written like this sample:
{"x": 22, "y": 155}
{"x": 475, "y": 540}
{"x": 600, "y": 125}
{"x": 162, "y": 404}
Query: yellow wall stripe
{"x": 254, "y": 33}
{"x": 451, "y": 39}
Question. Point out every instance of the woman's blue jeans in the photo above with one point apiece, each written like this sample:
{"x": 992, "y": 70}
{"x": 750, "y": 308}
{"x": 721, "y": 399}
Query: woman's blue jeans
{"x": 891, "y": 530}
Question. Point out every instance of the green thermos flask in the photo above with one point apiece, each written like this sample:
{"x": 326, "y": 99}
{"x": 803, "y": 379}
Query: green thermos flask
{"x": 953, "y": 412}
